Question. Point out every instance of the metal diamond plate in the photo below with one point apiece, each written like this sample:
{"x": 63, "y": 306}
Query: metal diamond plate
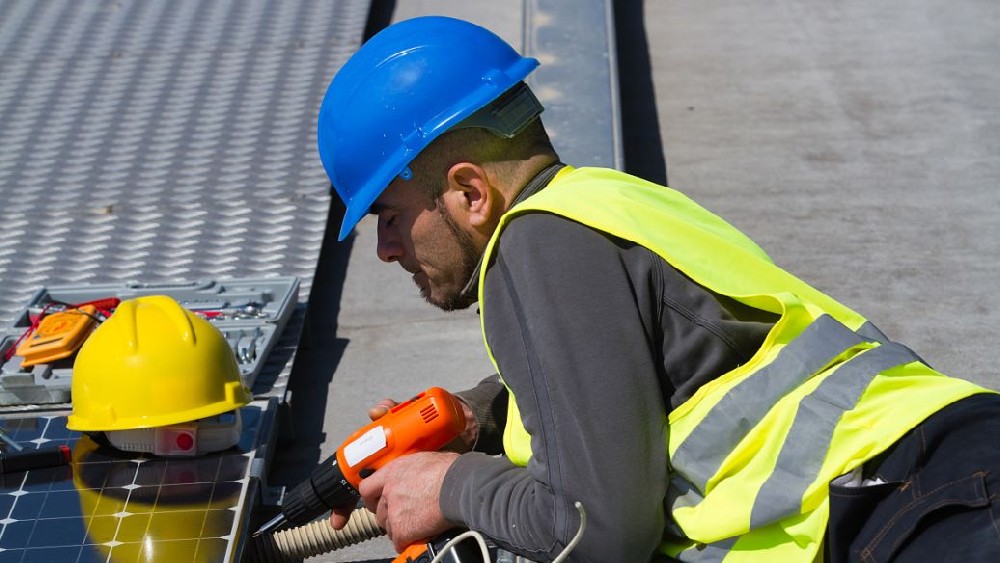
{"x": 163, "y": 141}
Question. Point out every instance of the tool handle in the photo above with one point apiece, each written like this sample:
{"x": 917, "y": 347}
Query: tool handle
{"x": 427, "y": 422}
{"x": 461, "y": 552}
{"x": 415, "y": 553}
{"x": 25, "y": 460}
{"x": 105, "y": 304}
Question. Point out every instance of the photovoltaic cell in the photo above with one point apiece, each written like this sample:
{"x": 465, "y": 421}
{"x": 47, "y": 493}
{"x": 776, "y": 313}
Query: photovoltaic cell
{"x": 111, "y": 506}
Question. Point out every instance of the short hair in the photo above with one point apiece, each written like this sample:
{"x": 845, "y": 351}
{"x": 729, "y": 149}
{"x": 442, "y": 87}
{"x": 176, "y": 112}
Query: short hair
{"x": 479, "y": 146}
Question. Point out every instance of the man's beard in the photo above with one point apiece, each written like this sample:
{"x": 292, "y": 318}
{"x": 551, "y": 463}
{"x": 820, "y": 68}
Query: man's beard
{"x": 455, "y": 299}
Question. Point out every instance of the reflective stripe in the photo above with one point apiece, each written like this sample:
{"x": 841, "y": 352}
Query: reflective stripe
{"x": 871, "y": 333}
{"x": 709, "y": 552}
{"x": 681, "y": 494}
{"x": 701, "y": 455}
{"x": 804, "y": 449}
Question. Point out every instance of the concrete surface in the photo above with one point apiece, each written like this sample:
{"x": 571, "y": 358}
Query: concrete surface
{"x": 858, "y": 142}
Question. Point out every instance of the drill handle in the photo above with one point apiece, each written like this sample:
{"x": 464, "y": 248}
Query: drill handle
{"x": 415, "y": 553}
{"x": 459, "y": 550}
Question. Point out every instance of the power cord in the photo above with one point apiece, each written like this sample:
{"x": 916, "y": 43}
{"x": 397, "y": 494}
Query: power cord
{"x": 453, "y": 542}
{"x": 485, "y": 551}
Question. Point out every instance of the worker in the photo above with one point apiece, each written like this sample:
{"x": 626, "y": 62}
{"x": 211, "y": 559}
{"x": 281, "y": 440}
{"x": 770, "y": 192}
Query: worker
{"x": 655, "y": 365}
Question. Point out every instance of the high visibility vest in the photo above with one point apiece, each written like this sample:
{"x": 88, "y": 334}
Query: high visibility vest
{"x": 752, "y": 452}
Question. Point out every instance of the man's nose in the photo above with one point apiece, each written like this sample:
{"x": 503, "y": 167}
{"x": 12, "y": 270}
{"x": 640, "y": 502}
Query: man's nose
{"x": 389, "y": 248}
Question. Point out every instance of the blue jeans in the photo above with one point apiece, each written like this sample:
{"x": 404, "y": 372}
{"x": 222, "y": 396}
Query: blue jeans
{"x": 941, "y": 496}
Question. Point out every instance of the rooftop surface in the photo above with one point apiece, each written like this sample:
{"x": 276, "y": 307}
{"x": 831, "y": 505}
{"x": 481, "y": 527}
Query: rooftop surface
{"x": 857, "y": 142}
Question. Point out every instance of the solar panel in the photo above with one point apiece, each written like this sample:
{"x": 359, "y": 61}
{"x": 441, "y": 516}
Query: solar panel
{"x": 112, "y": 506}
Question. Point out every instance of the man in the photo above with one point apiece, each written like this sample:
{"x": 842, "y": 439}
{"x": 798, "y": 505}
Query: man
{"x": 699, "y": 402}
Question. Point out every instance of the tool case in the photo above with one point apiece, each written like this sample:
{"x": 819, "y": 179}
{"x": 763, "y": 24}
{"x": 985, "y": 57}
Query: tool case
{"x": 250, "y": 312}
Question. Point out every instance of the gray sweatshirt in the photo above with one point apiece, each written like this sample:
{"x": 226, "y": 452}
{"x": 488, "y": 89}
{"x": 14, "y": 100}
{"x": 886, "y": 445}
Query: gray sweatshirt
{"x": 599, "y": 339}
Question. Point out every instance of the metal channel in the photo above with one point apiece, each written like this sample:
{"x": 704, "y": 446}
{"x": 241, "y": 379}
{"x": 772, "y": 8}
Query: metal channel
{"x": 578, "y": 79}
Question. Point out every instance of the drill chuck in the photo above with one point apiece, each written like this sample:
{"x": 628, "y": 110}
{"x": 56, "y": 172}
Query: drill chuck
{"x": 324, "y": 490}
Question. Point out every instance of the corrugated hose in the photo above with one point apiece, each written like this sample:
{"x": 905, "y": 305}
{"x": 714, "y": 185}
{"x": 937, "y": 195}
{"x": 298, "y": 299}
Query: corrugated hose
{"x": 314, "y": 538}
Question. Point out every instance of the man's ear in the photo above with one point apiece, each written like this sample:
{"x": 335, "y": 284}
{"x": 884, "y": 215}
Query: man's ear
{"x": 470, "y": 193}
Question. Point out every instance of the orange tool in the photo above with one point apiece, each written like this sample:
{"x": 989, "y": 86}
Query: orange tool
{"x": 424, "y": 423}
{"x": 58, "y": 335}
{"x": 415, "y": 553}
{"x": 425, "y": 552}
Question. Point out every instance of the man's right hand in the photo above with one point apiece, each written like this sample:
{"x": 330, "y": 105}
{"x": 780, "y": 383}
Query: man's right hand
{"x": 463, "y": 443}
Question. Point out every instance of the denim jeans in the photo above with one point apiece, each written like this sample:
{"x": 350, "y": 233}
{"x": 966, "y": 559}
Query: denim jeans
{"x": 939, "y": 498}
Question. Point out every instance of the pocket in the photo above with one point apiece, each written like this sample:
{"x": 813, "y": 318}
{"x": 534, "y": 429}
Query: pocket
{"x": 850, "y": 509}
{"x": 894, "y": 520}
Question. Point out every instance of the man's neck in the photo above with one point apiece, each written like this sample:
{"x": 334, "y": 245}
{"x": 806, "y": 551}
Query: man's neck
{"x": 529, "y": 183}
{"x": 537, "y": 182}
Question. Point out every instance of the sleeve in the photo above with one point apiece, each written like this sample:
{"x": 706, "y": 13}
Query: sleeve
{"x": 574, "y": 334}
{"x": 488, "y": 401}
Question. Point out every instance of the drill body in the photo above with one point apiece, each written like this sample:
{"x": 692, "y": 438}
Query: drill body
{"x": 427, "y": 422}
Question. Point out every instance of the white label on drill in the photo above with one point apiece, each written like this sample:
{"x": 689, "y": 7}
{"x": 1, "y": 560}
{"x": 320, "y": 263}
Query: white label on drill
{"x": 369, "y": 443}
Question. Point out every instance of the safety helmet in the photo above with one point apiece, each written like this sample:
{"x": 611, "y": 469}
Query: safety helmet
{"x": 403, "y": 88}
{"x": 153, "y": 364}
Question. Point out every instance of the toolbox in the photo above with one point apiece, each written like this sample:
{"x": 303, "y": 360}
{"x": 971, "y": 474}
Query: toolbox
{"x": 37, "y": 367}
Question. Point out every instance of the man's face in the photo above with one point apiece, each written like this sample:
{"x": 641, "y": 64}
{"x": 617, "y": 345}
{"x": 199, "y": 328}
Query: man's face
{"x": 417, "y": 231}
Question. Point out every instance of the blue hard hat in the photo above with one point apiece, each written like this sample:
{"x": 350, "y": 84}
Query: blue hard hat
{"x": 403, "y": 88}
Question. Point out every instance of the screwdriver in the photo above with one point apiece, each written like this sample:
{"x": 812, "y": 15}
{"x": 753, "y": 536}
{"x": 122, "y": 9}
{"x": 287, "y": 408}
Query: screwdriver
{"x": 26, "y": 460}
{"x": 21, "y": 459}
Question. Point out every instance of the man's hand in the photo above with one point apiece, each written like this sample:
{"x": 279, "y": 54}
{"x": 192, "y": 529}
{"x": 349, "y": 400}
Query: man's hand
{"x": 404, "y": 494}
{"x": 463, "y": 443}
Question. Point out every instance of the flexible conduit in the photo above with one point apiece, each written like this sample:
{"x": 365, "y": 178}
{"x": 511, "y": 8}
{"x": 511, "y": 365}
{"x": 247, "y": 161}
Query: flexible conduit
{"x": 314, "y": 538}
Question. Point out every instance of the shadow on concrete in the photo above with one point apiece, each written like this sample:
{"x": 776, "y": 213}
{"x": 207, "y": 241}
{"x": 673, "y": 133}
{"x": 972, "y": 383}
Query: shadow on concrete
{"x": 379, "y": 16}
{"x": 320, "y": 350}
{"x": 641, "y": 141}
{"x": 301, "y": 433}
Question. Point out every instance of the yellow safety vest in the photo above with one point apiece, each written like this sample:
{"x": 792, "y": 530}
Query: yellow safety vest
{"x": 752, "y": 452}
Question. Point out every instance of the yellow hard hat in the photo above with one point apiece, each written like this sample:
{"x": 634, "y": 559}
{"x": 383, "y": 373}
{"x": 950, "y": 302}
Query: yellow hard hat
{"x": 153, "y": 363}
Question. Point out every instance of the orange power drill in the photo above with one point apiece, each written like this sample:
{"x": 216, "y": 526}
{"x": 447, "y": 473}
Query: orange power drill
{"x": 427, "y": 422}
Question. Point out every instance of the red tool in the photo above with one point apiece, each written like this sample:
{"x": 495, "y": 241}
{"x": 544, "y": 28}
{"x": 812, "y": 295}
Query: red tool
{"x": 424, "y": 423}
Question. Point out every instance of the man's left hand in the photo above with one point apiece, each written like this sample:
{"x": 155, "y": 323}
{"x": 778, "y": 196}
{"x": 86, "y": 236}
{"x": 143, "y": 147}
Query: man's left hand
{"x": 404, "y": 495}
